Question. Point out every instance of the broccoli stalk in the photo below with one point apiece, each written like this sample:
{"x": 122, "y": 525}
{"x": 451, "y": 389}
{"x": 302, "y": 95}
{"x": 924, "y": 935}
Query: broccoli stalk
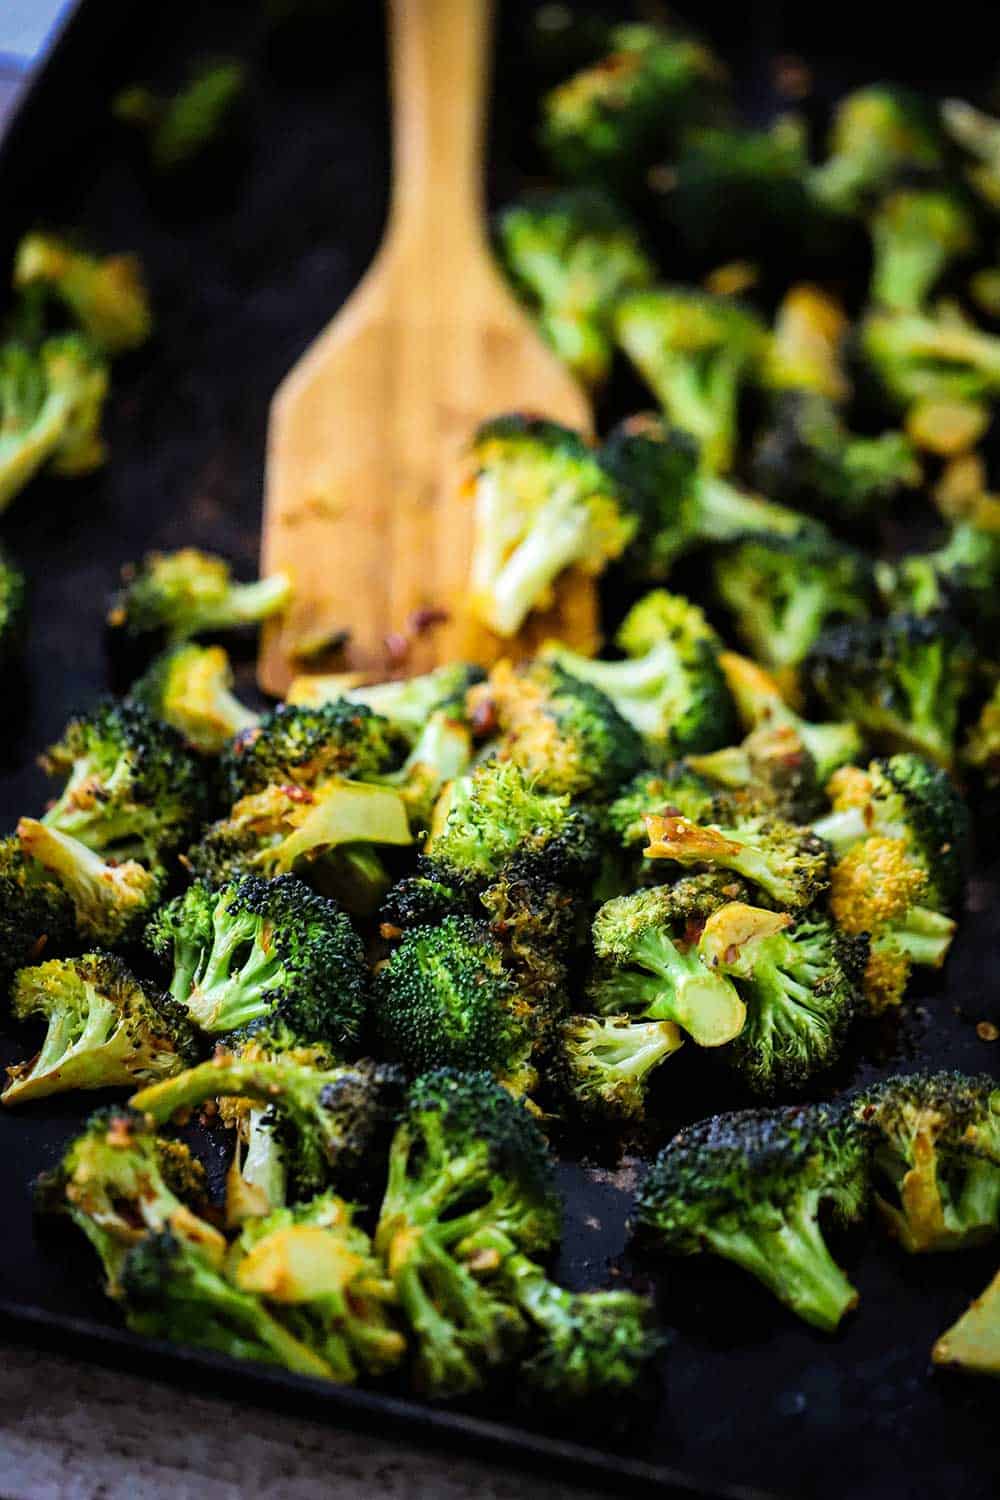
{"x": 111, "y": 899}
{"x": 973, "y": 1343}
{"x": 978, "y": 134}
{"x": 190, "y": 688}
{"x": 50, "y": 410}
{"x": 605, "y": 1063}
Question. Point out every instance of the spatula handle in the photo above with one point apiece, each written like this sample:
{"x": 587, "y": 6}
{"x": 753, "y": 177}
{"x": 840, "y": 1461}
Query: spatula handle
{"x": 439, "y": 56}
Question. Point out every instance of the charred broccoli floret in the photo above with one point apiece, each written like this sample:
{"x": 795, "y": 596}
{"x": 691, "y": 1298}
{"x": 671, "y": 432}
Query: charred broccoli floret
{"x": 264, "y": 948}
{"x": 13, "y": 587}
{"x": 936, "y": 1157}
{"x": 543, "y": 504}
{"x": 878, "y": 135}
{"x": 111, "y": 898}
{"x": 615, "y": 119}
{"x": 572, "y": 255}
{"x": 915, "y": 233}
{"x": 304, "y": 746}
{"x": 50, "y": 411}
{"x": 650, "y": 967}
{"x": 104, "y": 1029}
{"x": 105, "y": 296}
{"x": 809, "y": 459}
{"x": 694, "y": 351}
{"x": 190, "y": 688}
{"x": 36, "y": 914}
{"x": 539, "y": 925}
{"x": 178, "y": 128}
{"x": 561, "y": 728}
{"x": 919, "y": 356}
{"x": 901, "y": 679}
{"x": 782, "y": 591}
{"x": 177, "y": 595}
{"x": 671, "y": 687}
{"x": 605, "y": 1063}
{"x": 466, "y": 1157}
{"x": 800, "y": 984}
{"x": 760, "y": 705}
{"x": 750, "y": 1186}
{"x": 786, "y": 860}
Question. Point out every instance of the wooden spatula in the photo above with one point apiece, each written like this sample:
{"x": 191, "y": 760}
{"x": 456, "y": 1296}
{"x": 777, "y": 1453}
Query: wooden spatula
{"x": 364, "y": 505}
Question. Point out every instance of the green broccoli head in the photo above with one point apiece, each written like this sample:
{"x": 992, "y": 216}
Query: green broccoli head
{"x": 915, "y": 234}
{"x": 36, "y": 914}
{"x": 264, "y": 948}
{"x": 543, "y": 504}
{"x": 571, "y": 256}
{"x": 878, "y": 134}
{"x": 785, "y": 860}
{"x": 808, "y": 458}
{"x": 176, "y": 595}
{"x": 921, "y": 356}
{"x": 801, "y": 985}
{"x": 419, "y": 901}
{"x": 104, "y": 295}
{"x": 671, "y": 688}
{"x": 936, "y": 1157}
{"x": 104, "y": 1029}
{"x": 694, "y": 351}
{"x": 650, "y": 965}
{"x": 51, "y": 403}
{"x": 180, "y": 128}
{"x": 605, "y": 1064}
{"x": 749, "y": 1187}
{"x": 901, "y": 679}
{"x": 559, "y": 726}
{"x": 782, "y": 592}
{"x": 303, "y": 747}
{"x": 13, "y": 588}
{"x": 190, "y": 688}
{"x": 111, "y": 899}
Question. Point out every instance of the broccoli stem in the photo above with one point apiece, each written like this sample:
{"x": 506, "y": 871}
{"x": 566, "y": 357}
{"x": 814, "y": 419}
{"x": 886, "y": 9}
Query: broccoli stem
{"x": 925, "y": 936}
{"x": 525, "y": 580}
{"x": 222, "y": 1000}
{"x": 793, "y": 1262}
{"x": 79, "y": 1051}
{"x": 725, "y": 512}
{"x": 261, "y": 1081}
{"x": 904, "y": 272}
{"x": 106, "y": 897}
{"x": 629, "y": 1052}
{"x": 242, "y": 604}
{"x": 264, "y": 1164}
{"x": 704, "y": 1004}
{"x": 447, "y": 1310}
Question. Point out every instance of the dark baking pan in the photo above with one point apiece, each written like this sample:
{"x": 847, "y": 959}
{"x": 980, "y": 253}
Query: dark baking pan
{"x": 247, "y": 262}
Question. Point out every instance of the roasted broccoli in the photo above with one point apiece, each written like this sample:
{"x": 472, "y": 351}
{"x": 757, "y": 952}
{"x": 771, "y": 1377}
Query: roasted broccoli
{"x": 264, "y": 948}
{"x": 466, "y": 1157}
{"x": 179, "y": 128}
{"x": 750, "y": 1186}
{"x": 919, "y": 356}
{"x": 800, "y": 984}
{"x": 973, "y": 1343}
{"x": 694, "y": 351}
{"x": 961, "y": 577}
{"x": 104, "y": 1029}
{"x": 901, "y": 679}
{"x": 677, "y": 789}
{"x": 760, "y": 705}
{"x": 879, "y": 134}
{"x": 177, "y": 595}
{"x": 786, "y": 860}
{"x": 13, "y": 586}
{"x": 915, "y": 234}
{"x": 605, "y": 1062}
{"x": 50, "y": 411}
{"x": 806, "y": 350}
{"x": 543, "y": 504}
{"x": 407, "y": 702}
{"x": 563, "y": 730}
{"x": 36, "y": 914}
{"x": 650, "y": 967}
{"x": 111, "y": 899}
{"x": 190, "y": 688}
{"x": 772, "y": 766}
{"x": 572, "y": 256}
{"x": 782, "y": 591}
{"x": 936, "y": 1157}
{"x": 671, "y": 688}
{"x": 105, "y": 296}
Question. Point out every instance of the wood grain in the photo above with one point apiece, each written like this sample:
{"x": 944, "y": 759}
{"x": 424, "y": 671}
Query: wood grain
{"x": 365, "y": 504}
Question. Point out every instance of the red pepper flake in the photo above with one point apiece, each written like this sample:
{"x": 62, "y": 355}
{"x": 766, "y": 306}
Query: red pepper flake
{"x": 484, "y": 718}
{"x": 422, "y": 620}
{"x": 298, "y": 793}
{"x": 397, "y": 646}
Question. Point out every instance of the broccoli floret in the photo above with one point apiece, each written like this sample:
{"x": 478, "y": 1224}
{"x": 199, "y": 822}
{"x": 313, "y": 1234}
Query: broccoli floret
{"x": 326, "y": 1121}
{"x": 190, "y": 688}
{"x": 651, "y": 968}
{"x": 760, "y": 705}
{"x": 177, "y": 595}
{"x": 539, "y": 926}
{"x": 561, "y": 728}
{"x": 809, "y": 459}
{"x": 919, "y": 356}
{"x": 466, "y": 1157}
{"x": 906, "y": 798}
{"x": 805, "y": 353}
{"x": 772, "y": 766}
{"x": 106, "y": 296}
{"x": 571, "y": 256}
{"x": 261, "y": 948}
{"x": 36, "y": 914}
{"x": 615, "y": 119}
{"x": 750, "y": 1186}
{"x": 132, "y": 789}
{"x": 915, "y": 233}
{"x": 543, "y": 504}
{"x": 800, "y": 984}
{"x": 901, "y": 680}
{"x": 786, "y": 860}
{"x": 119, "y": 1182}
{"x": 605, "y": 1063}
{"x": 782, "y": 591}
{"x": 494, "y": 824}
{"x": 979, "y": 134}
{"x": 678, "y": 507}
{"x": 694, "y": 351}
{"x": 50, "y": 411}
{"x": 418, "y": 901}
{"x": 982, "y": 746}
{"x": 671, "y": 688}
{"x": 111, "y": 899}
{"x": 304, "y": 747}
{"x": 960, "y": 577}
{"x": 104, "y": 1029}
{"x": 878, "y": 135}
{"x": 973, "y": 1343}
{"x": 13, "y": 588}
{"x": 316, "y": 1270}
{"x": 936, "y": 1157}
{"x": 407, "y": 702}
{"x": 180, "y": 127}
{"x": 445, "y": 998}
